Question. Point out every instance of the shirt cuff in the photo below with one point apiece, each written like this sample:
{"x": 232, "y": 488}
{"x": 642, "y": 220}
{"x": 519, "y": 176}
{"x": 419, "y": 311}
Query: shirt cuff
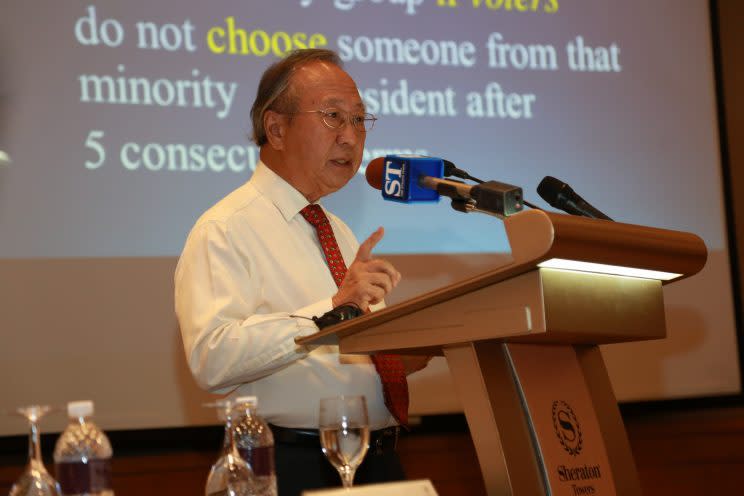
{"x": 316, "y": 309}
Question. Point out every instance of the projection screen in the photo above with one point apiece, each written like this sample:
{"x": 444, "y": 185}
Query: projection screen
{"x": 123, "y": 121}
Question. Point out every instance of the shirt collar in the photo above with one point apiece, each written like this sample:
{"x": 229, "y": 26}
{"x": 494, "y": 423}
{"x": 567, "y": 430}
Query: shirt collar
{"x": 283, "y": 195}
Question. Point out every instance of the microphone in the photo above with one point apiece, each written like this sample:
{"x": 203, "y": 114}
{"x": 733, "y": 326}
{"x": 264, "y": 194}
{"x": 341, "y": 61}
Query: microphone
{"x": 416, "y": 179}
{"x": 392, "y": 175}
{"x": 451, "y": 169}
{"x": 561, "y": 196}
{"x": 341, "y": 313}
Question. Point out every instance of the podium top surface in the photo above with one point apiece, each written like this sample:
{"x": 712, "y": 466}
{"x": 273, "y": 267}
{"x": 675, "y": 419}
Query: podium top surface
{"x": 536, "y": 236}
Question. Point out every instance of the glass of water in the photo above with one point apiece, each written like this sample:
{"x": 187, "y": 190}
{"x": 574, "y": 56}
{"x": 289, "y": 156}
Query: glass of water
{"x": 344, "y": 434}
{"x": 230, "y": 475}
{"x": 35, "y": 480}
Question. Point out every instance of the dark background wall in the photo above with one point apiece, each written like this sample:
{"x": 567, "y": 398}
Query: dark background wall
{"x": 730, "y": 38}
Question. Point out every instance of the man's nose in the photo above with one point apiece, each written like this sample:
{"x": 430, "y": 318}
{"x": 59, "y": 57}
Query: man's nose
{"x": 348, "y": 135}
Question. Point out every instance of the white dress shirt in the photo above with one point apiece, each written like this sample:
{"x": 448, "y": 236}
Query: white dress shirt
{"x": 250, "y": 266}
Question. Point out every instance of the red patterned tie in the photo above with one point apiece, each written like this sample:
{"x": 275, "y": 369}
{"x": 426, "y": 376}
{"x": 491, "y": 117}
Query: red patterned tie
{"x": 389, "y": 367}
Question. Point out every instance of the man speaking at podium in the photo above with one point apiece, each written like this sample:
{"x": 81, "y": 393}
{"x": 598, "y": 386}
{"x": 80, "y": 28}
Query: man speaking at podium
{"x": 267, "y": 257}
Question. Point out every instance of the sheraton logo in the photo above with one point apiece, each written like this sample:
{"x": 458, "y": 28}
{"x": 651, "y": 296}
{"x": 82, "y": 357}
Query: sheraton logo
{"x": 567, "y": 427}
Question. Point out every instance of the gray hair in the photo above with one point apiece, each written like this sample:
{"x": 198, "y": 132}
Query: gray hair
{"x": 274, "y": 91}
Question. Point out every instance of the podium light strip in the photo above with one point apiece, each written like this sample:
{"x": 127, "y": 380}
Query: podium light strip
{"x": 617, "y": 270}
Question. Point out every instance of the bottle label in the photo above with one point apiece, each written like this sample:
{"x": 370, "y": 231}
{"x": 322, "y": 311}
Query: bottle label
{"x": 261, "y": 459}
{"x": 93, "y": 476}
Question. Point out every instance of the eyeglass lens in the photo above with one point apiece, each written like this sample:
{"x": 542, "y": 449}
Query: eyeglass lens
{"x": 336, "y": 118}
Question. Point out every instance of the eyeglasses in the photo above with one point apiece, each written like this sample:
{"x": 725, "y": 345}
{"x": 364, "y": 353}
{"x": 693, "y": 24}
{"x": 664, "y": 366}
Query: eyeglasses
{"x": 336, "y": 119}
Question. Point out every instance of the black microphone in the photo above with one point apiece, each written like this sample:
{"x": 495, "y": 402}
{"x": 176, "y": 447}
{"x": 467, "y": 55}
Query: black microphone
{"x": 561, "y": 196}
{"x": 339, "y": 314}
{"x": 451, "y": 169}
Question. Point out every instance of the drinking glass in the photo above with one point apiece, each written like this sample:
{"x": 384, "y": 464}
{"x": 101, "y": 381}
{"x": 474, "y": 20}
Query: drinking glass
{"x": 344, "y": 434}
{"x": 35, "y": 480}
{"x": 230, "y": 475}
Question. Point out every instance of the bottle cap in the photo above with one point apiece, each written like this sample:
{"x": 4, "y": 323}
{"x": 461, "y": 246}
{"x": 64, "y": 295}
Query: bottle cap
{"x": 252, "y": 400}
{"x": 80, "y": 408}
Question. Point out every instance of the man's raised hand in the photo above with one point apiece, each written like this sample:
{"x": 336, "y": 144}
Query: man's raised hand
{"x": 368, "y": 279}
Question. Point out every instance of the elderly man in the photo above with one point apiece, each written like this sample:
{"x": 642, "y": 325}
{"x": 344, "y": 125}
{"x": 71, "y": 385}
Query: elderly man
{"x": 267, "y": 257}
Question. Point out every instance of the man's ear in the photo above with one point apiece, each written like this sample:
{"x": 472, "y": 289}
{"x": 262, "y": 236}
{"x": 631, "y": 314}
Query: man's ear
{"x": 275, "y": 125}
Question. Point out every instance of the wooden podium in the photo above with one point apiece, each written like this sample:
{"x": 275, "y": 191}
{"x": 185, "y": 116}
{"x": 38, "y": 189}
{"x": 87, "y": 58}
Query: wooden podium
{"x": 521, "y": 342}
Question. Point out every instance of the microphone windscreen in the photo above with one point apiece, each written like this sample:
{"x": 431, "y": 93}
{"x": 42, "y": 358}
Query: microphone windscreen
{"x": 374, "y": 172}
{"x": 549, "y": 189}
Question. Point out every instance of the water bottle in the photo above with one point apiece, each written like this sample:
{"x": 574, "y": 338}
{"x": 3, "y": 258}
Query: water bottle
{"x": 82, "y": 455}
{"x": 255, "y": 443}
